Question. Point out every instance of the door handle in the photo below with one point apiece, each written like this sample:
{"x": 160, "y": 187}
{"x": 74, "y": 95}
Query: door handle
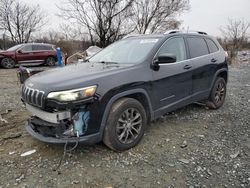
{"x": 213, "y": 60}
{"x": 187, "y": 67}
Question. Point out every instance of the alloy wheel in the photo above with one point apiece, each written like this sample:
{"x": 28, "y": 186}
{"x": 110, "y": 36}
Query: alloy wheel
{"x": 129, "y": 126}
{"x": 219, "y": 93}
{"x": 50, "y": 61}
{"x": 8, "y": 63}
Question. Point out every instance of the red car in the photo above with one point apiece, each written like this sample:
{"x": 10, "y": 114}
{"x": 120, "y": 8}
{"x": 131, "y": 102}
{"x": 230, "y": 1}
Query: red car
{"x": 28, "y": 53}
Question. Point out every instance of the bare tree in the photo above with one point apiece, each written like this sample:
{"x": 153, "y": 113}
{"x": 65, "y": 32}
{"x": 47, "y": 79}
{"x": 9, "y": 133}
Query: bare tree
{"x": 69, "y": 32}
{"x": 151, "y": 16}
{"x": 235, "y": 33}
{"x": 103, "y": 20}
{"x": 20, "y": 20}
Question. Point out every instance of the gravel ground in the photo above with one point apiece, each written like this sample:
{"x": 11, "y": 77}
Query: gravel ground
{"x": 190, "y": 147}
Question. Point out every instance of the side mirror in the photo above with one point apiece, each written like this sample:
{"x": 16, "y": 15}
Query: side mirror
{"x": 163, "y": 59}
{"x": 166, "y": 58}
{"x": 19, "y": 51}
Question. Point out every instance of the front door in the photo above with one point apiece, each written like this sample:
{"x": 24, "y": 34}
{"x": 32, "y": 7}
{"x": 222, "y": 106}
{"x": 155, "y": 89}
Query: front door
{"x": 172, "y": 83}
{"x": 25, "y": 54}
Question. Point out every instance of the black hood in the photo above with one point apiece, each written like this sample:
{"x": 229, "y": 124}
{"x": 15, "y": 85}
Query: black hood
{"x": 73, "y": 76}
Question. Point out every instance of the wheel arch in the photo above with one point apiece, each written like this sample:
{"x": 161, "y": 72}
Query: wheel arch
{"x": 50, "y": 56}
{"x": 139, "y": 94}
{"x": 224, "y": 75}
{"x": 9, "y": 57}
{"x": 220, "y": 73}
{"x": 6, "y": 56}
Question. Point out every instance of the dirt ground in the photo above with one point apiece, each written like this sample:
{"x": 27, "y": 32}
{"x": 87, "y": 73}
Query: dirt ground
{"x": 191, "y": 147}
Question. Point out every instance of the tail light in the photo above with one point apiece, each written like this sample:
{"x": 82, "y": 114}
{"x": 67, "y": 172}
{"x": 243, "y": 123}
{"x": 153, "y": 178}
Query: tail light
{"x": 226, "y": 55}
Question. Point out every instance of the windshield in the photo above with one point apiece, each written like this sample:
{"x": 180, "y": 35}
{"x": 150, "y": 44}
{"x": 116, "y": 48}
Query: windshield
{"x": 14, "y": 48}
{"x": 126, "y": 51}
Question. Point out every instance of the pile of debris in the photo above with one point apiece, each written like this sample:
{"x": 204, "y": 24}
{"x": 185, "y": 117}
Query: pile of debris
{"x": 244, "y": 56}
{"x": 83, "y": 55}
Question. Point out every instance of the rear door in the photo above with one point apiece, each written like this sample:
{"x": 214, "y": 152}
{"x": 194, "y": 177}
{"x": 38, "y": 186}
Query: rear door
{"x": 172, "y": 83}
{"x": 41, "y": 52}
{"x": 203, "y": 66}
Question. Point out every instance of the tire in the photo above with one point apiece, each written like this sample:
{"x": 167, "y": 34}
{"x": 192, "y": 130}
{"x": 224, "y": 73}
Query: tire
{"x": 50, "y": 61}
{"x": 120, "y": 134}
{"x": 8, "y": 63}
{"x": 218, "y": 94}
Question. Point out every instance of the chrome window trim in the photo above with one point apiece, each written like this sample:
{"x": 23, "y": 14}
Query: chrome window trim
{"x": 38, "y": 51}
{"x": 186, "y": 50}
{"x": 52, "y": 49}
{"x": 218, "y": 48}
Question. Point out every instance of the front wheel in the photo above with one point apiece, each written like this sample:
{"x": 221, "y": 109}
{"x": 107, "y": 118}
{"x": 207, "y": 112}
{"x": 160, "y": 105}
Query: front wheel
{"x": 218, "y": 94}
{"x": 8, "y": 63}
{"x": 125, "y": 125}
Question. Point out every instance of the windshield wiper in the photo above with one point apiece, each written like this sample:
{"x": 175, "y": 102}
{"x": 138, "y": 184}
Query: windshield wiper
{"x": 108, "y": 62}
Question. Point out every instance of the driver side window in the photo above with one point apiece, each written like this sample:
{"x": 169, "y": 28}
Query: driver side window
{"x": 175, "y": 46}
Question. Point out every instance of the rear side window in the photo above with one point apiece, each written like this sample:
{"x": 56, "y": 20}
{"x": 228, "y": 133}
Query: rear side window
{"x": 41, "y": 47}
{"x": 27, "y": 48}
{"x": 45, "y": 47}
{"x": 36, "y": 47}
{"x": 175, "y": 46}
{"x": 197, "y": 47}
{"x": 212, "y": 46}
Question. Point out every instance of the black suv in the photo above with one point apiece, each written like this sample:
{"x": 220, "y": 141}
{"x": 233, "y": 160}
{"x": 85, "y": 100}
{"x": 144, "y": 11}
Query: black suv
{"x": 114, "y": 95}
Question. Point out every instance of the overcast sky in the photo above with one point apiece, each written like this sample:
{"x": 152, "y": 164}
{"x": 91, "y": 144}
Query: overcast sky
{"x": 204, "y": 15}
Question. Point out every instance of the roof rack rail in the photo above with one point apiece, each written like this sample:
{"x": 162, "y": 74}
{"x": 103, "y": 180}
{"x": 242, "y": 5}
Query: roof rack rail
{"x": 198, "y": 32}
{"x": 131, "y": 35}
{"x": 180, "y": 31}
{"x": 172, "y": 31}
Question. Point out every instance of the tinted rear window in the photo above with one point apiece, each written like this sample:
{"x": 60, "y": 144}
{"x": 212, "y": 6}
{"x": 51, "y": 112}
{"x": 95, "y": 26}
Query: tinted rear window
{"x": 47, "y": 47}
{"x": 212, "y": 46}
{"x": 36, "y": 48}
{"x": 41, "y": 47}
{"x": 197, "y": 47}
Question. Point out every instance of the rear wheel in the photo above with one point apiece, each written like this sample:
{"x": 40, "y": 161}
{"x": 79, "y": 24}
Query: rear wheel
{"x": 50, "y": 61}
{"x": 125, "y": 125}
{"x": 218, "y": 94}
{"x": 8, "y": 63}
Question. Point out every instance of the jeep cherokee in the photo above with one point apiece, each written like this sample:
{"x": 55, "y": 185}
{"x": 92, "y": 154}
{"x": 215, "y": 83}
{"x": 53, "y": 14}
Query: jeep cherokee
{"x": 117, "y": 92}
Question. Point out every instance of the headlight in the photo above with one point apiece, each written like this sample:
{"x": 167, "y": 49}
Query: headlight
{"x": 74, "y": 94}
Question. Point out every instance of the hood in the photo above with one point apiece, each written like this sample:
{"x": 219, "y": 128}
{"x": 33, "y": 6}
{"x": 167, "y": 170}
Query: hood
{"x": 7, "y": 52}
{"x": 73, "y": 76}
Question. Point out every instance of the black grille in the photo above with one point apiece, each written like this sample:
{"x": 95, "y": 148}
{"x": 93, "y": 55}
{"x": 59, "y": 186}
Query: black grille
{"x": 33, "y": 96}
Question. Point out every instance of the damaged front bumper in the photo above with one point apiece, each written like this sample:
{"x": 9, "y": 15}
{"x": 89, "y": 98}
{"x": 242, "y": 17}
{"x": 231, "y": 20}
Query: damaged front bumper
{"x": 88, "y": 139}
{"x": 61, "y": 126}
{"x": 49, "y": 117}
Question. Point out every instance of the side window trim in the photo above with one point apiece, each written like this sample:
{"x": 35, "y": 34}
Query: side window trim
{"x": 218, "y": 49}
{"x": 25, "y": 47}
{"x": 42, "y": 48}
{"x": 185, "y": 45}
{"x": 189, "y": 47}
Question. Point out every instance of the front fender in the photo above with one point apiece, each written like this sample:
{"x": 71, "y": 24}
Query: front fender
{"x": 120, "y": 95}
